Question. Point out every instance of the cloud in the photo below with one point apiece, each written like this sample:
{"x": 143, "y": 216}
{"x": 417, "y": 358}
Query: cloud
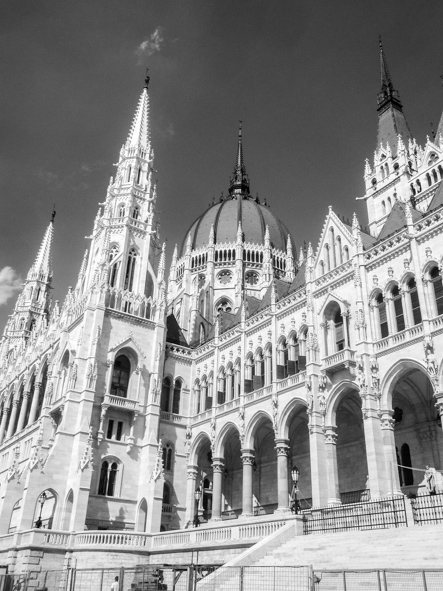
{"x": 152, "y": 45}
{"x": 10, "y": 282}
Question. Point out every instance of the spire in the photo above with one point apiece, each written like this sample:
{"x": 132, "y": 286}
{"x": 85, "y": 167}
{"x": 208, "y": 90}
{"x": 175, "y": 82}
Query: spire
{"x": 140, "y": 132}
{"x": 391, "y": 120}
{"x": 43, "y": 261}
{"x": 239, "y": 183}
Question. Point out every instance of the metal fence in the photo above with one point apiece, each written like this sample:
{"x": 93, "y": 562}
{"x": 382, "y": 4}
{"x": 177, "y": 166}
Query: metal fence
{"x": 241, "y": 578}
{"x": 378, "y": 514}
{"x": 379, "y": 580}
{"x": 428, "y": 508}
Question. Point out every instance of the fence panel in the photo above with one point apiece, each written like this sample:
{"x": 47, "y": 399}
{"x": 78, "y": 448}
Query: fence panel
{"x": 13, "y": 582}
{"x": 378, "y": 514}
{"x": 400, "y": 580}
{"x": 428, "y": 508}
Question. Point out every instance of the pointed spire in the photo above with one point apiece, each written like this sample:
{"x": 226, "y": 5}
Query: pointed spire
{"x": 82, "y": 271}
{"x": 301, "y": 257}
{"x": 174, "y": 257}
{"x": 161, "y": 264}
{"x": 43, "y": 260}
{"x": 239, "y": 182}
{"x": 388, "y": 99}
{"x": 289, "y": 245}
{"x": 239, "y": 233}
{"x": 140, "y": 132}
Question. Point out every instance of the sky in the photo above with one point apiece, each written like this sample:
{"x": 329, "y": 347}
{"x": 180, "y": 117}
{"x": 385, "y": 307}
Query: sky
{"x": 303, "y": 77}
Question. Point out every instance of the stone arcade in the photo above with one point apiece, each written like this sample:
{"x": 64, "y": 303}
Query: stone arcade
{"x": 141, "y": 390}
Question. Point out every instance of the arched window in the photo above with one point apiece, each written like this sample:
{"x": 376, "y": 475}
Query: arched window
{"x": 268, "y": 365}
{"x": 382, "y": 315}
{"x": 44, "y": 511}
{"x": 383, "y": 208}
{"x": 167, "y": 457}
{"x": 201, "y": 334}
{"x": 166, "y": 395}
{"x": 224, "y": 305}
{"x": 15, "y": 517}
{"x": 258, "y": 380}
{"x": 249, "y": 374}
{"x": 136, "y": 212}
{"x": 339, "y": 250}
{"x": 339, "y": 331}
{"x": 130, "y": 269}
{"x": 19, "y": 408}
{"x": 408, "y": 476}
{"x": 166, "y": 494}
{"x": 121, "y": 211}
{"x": 415, "y": 304}
{"x": 176, "y": 397}
{"x": 282, "y": 359}
{"x": 438, "y": 289}
{"x": 389, "y": 204}
{"x": 41, "y": 392}
{"x": 221, "y": 387}
{"x": 139, "y": 174}
{"x": 108, "y": 478}
{"x": 294, "y": 356}
{"x": 346, "y": 253}
{"x": 128, "y": 177}
{"x": 120, "y": 376}
{"x": 31, "y": 396}
{"x": 398, "y": 308}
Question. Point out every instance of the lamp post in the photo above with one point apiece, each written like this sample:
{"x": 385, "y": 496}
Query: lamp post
{"x": 42, "y": 500}
{"x": 197, "y": 495}
{"x": 295, "y": 474}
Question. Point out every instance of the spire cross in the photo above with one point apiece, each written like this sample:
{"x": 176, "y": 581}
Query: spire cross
{"x": 147, "y": 79}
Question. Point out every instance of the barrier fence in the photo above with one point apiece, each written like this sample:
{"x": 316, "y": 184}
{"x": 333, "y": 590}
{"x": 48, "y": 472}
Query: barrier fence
{"x": 428, "y": 508}
{"x": 240, "y": 578}
{"x": 379, "y": 514}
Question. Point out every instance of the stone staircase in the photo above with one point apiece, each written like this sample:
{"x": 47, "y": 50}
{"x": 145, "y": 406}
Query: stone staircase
{"x": 418, "y": 547}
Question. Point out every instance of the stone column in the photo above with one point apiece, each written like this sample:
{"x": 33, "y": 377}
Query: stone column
{"x": 331, "y": 459}
{"x": 345, "y": 316}
{"x": 319, "y": 469}
{"x": 375, "y": 457}
{"x": 21, "y": 419}
{"x": 191, "y": 475}
{"x": 5, "y": 414}
{"x": 282, "y": 447}
{"x": 387, "y": 427}
{"x": 217, "y": 480}
{"x": 247, "y": 456}
{"x": 34, "y": 406}
{"x": 12, "y": 420}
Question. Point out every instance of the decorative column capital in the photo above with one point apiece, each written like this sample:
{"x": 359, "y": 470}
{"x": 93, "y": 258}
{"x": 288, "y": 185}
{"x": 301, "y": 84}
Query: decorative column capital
{"x": 282, "y": 447}
{"x": 248, "y": 457}
{"x": 387, "y": 420}
{"x": 192, "y": 472}
{"x": 218, "y": 465}
{"x": 331, "y": 435}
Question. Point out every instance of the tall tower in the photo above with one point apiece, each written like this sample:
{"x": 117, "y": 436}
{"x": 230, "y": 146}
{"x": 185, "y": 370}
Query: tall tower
{"x": 32, "y": 307}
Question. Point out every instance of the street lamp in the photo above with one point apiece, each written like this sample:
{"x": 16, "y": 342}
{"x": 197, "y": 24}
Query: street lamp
{"x": 42, "y": 500}
{"x": 197, "y": 495}
{"x": 295, "y": 474}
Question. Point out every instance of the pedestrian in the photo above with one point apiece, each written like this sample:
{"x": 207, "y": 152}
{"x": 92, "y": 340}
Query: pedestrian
{"x": 115, "y": 585}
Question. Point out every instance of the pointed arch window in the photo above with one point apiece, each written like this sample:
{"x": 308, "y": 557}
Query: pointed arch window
{"x": 120, "y": 376}
{"x": 136, "y": 212}
{"x": 339, "y": 331}
{"x": 259, "y": 371}
{"x": 398, "y": 308}
{"x": 107, "y": 485}
{"x": 414, "y": 301}
{"x": 221, "y": 387}
{"x": 282, "y": 359}
{"x": 249, "y": 374}
{"x": 121, "y": 211}
{"x": 166, "y": 395}
{"x": 438, "y": 289}
{"x": 382, "y": 315}
{"x": 176, "y": 397}
{"x": 167, "y": 457}
{"x": 293, "y": 356}
{"x": 130, "y": 269}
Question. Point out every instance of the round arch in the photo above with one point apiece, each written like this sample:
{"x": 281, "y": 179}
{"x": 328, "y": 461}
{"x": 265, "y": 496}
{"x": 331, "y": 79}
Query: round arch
{"x": 293, "y": 407}
{"x": 395, "y": 373}
{"x": 201, "y": 439}
{"x": 220, "y": 444}
{"x": 336, "y": 394}
{"x": 254, "y": 423}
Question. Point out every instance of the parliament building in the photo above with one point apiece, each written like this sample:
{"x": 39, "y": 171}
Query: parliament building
{"x": 155, "y": 400}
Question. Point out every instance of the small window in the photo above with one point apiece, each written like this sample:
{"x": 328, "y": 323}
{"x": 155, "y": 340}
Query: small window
{"x": 383, "y": 319}
{"x": 110, "y": 429}
{"x": 108, "y": 479}
{"x": 119, "y": 433}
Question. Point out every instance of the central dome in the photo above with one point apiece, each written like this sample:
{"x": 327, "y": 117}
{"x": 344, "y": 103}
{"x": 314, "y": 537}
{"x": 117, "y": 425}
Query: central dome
{"x": 226, "y": 215}
{"x": 238, "y": 206}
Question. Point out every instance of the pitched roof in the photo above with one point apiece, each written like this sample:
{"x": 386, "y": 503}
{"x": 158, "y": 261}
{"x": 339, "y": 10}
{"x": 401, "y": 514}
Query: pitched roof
{"x": 174, "y": 333}
{"x": 396, "y": 220}
{"x": 438, "y": 198}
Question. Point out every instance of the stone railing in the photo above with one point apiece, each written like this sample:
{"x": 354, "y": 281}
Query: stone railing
{"x": 224, "y": 533}
{"x": 291, "y": 381}
{"x": 108, "y": 539}
{"x": 171, "y": 417}
{"x": 131, "y": 303}
{"x": 203, "y": 416}
{"x": 437, "y": 323}
{"x": 399, "y": 338}
{"x": 227, "y": 406}
{"x": 120, "y": 402}
{"x": 341, "y": 359}
{"x": 260, "y": 393}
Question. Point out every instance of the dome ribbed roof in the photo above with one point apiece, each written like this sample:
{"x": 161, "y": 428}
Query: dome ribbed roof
{"x": 226, "y": 215}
